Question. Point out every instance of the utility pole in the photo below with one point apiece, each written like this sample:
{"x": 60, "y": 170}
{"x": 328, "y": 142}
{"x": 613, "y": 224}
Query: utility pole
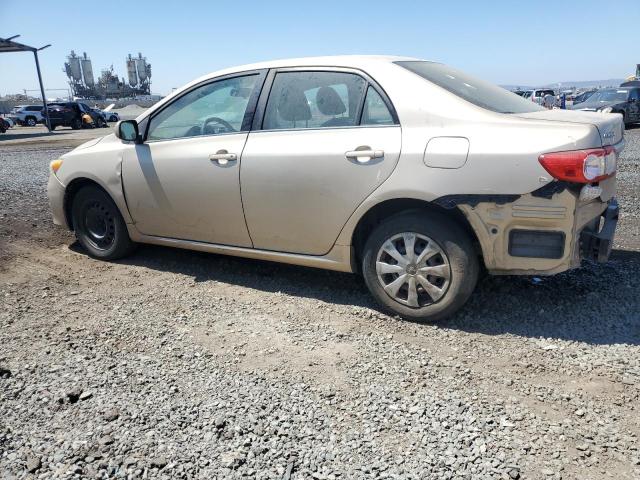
{"x": 44, "y": 99}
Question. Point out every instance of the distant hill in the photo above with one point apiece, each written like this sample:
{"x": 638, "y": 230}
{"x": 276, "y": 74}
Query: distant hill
{"x": 612, "y": 82}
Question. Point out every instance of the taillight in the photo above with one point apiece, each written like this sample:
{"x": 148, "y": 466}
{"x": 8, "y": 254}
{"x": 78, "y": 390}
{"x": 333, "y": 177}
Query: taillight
{"x": 581, "y": 166}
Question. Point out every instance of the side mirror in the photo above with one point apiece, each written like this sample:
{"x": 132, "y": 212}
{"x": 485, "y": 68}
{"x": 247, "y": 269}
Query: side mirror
{"x": 127, "y": 130}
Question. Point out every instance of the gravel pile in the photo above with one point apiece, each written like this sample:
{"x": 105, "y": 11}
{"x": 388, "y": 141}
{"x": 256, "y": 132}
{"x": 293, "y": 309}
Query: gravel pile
{"x": 177, "y": 364}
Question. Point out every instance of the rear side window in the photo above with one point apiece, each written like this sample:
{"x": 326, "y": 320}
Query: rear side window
{"x": 478, "y": 92}
{"x": 314, "y": 100}
{"x": 375, "y": 111}
{"x": 33, "y": 109}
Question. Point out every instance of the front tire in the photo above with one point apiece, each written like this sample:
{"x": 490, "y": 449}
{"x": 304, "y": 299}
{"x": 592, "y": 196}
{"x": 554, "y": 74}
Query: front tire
{"x": 31, "y": 122}
{"x": 420, "y": 265}
{"x": 76, "y": 124}
{"x": 98, "y": 225}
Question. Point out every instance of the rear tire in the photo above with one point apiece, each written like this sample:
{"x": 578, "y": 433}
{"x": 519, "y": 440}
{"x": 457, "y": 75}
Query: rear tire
{"x": 98, "y": 225}
{"x": 438, "y": 276}
{"x": 76, "y": 124}
{"x": 31, "y": 121}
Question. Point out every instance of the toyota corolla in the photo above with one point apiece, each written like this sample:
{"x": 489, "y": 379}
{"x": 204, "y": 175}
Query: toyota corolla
{"x": 411, "y": 173}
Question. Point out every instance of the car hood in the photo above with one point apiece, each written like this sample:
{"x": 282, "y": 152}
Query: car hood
{"x": 610, "y": 126}
{"x": 90, "y": 143}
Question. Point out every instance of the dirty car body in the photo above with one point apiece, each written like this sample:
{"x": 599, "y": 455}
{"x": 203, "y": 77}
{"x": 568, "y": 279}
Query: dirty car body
{"x": 409, "y": 172}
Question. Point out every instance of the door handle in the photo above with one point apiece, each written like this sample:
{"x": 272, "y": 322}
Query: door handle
{"x": 223, "y": 157}
{"x": 364, "y": 154}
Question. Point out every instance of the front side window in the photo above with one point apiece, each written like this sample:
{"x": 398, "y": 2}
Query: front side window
{"x": 211, "y": 109}
{"x": 314, "y": 100}
{"x": 375, "y": 111}
{"x": 478, "y": 92}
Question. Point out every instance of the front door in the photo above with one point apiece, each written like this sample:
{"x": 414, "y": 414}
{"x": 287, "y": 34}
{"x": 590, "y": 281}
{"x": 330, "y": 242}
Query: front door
{"x": 328, "y": 140}
{"x": 183, "y": 181}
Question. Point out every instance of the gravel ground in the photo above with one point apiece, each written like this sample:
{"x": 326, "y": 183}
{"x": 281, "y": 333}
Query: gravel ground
{"x": 177, "y": 364}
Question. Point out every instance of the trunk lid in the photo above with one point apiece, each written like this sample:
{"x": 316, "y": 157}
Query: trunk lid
{"x": 610, "y": 125}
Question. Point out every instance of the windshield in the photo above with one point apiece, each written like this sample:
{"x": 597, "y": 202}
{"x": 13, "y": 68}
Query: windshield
{"x": 473, "y": 90}
{"x": 609, "y": 95}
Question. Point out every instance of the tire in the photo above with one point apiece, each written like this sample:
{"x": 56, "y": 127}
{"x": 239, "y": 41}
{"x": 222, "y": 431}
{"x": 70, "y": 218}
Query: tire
{"x": 31, "y": 121}
{"x": 76, "y": 124}
{"x": 442, "y": 282}
{"x": 100, "y": 123}
{"x": 98, "y": 225}
{"x": 113, "y": 118}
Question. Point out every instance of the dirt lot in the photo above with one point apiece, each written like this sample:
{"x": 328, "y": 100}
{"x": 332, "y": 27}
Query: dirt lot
{"x": 176, "y": 364}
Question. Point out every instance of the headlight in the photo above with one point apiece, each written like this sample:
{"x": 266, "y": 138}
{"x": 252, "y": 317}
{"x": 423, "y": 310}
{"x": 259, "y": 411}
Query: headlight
{"x": 606, "y": 110}
{"x": 55, "y": 165}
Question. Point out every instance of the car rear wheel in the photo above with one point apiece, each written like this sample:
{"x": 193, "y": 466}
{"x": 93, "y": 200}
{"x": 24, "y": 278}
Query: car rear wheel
{"x": 420, "y": 265}
{"x": 76, "y": 124}
{"x": 31, "y": 121}
{"x": 98, "y": 225}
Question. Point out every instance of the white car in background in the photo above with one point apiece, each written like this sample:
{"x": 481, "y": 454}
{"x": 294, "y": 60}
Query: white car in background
{"x": 109, "y": 115}
{"x": 537, "y": 95}
{"x": 408, "y": 172}
{"x": 27, "y": 115}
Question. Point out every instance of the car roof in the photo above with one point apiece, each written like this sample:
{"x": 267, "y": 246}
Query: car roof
{"x": 352, "y": 61}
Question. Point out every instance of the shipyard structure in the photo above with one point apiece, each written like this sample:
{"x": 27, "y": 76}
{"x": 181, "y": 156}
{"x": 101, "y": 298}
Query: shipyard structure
{"x": 79, "y": 71}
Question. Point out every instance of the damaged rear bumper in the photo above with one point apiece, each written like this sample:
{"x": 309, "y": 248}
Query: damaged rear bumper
{"x": 596, "y": 241}
{"x": 543, "y": 233}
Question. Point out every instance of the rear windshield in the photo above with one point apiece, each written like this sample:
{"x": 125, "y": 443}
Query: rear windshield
{"x": 480, "y": 93}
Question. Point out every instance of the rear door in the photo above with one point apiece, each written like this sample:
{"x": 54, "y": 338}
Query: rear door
{"x": 323, "y": 140}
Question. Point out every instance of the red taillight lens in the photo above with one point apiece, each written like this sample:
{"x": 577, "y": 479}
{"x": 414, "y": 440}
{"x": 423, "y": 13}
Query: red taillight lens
{"x": 581, "y": 166}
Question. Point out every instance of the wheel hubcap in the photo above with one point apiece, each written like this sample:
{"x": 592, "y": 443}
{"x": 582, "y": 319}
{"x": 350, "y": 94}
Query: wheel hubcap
{"x": 413, "y": 269}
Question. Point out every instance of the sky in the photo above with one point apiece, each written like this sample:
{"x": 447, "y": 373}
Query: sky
{"x": 505, "y": 42}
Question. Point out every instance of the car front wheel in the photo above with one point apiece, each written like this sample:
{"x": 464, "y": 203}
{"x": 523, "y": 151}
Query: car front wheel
{"x": 99, "y": 226}
{"x": 420, "y": 265}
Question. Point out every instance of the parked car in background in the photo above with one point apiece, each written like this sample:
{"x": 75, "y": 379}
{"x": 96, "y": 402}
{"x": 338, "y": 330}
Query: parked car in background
{"x": 69, "y": 114}
{"x": 8, "y": 120}
{"x": 395, "y": 168}
{"x": 537, "y": 96}
{"x": 623, "y": 100}
{"x": 583, "y": 96}
{"x": 27, "y": 115}
{"x": 108, "y": 115}
{"x": 4, "y": 125}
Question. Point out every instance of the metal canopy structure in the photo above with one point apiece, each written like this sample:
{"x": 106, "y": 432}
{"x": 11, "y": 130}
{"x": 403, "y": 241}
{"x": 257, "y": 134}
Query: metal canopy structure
{"x": 7, "y": 45}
